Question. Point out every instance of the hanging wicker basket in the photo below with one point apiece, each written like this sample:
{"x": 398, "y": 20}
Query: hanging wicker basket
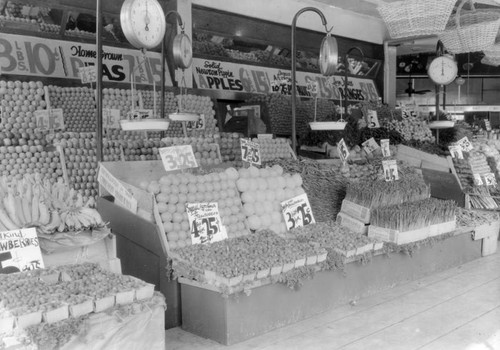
{"x": 470, "y": 31}
{"x": 411, "y": 18}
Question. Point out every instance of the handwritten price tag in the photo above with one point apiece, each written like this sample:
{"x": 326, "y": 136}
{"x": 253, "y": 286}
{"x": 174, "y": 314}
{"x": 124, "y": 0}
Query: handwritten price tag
{"x": 343, "y": 151}
{"x": 20, "y": 251}
{"x": 49, "y": 119}
{"x": 178, "y": 157}
{"x": 370, "y": 145}
{"x": 487, "y": 125}
{"x": 250, "y": 151}
{"x": 456, "y": 152}
{"x": 205, "y": 223}
{"x": 390, "y": 170}
{"x": 490, "y": 179}
{"x": 465, "y": 144}
{"x": 312, "y": 88}
{"x": 197, "y": 125}
{"x": 477, "y": 180}
{"x": 297, "y": 212}
{"x": 123, "y": 197}
{"x": 372, "y": 119}
{"x": 384, "y": 145}
{"x": 88, "y": 74}
{"x": 111, "y": 118}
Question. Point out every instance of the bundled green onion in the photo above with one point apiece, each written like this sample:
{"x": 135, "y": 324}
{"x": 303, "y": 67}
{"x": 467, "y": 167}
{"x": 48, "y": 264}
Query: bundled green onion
{"x": 382, "y": 193}
{"x": 415, "y": 215}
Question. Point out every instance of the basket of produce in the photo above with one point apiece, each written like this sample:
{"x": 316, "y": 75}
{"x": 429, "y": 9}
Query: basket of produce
{"x": 415, "y": 17}
{"x": 470, "y": 31}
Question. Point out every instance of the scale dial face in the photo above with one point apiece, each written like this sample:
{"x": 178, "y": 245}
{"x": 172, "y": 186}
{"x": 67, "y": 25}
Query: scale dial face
{"x": 183, "y": 51}
{"x": 328, "y": 56}
{"x": 443, "y": 70}
{"x": 143, "y": 23}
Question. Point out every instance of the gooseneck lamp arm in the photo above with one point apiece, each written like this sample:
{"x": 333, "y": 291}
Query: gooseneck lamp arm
{"x": 163, "y": 53}
{"x": 294, "y": 59}
{"x": 346, "y": 78}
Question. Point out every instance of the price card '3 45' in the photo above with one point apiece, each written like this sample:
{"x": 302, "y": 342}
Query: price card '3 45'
{"x": 178, "y": 157}
{"x": 297, "y": 212}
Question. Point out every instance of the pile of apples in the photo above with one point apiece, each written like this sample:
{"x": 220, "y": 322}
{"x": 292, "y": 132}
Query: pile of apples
{"x": 120, "y": 99}
{"x": 173, "y": 191}
{"x": 148, "y": 101}
{"x": 230, "y": 148}
{"x": 78, "y": 105}
{"x": 142, "y": 149}
{"x": 274, "y": 148}
{"x": 262, "y": 191}
{"x": 81, "y": 160}
{"x": 201, "y": 105}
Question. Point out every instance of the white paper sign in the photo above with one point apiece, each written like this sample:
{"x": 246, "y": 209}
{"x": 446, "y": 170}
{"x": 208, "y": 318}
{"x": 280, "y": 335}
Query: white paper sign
{"x": 205, "y": 223}
{"x": 372, "y": 119}
{"x": 487, "y": 125}
{"x": 20, "y": 251}
{"x": 250, "y": 151}
{"x": 477, "y": 180}
{"x": 465, "y": 144}
{"x": 123, "y": 197}
{"x": 384, "y": 145}
{"x": 370, "y": 145}
{"x": 88, "y": 74}
{"x": 111, "y": 118}
{"x": 489, "y": 179}
{"x": 178, "y": 157}
{"x": 343, "y": 151}
{"x": 390, "y": 170}
{"x": 456, "y": 152}
{"x": 297, "y": 212}
{"x": 197, "y": 125}
{"x": 49, "y": 119}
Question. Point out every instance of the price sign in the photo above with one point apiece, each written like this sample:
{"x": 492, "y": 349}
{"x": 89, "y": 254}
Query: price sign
{"x": 384, "y": 145}
{"x": 88, "y": 74}
{"x": 49, "y": 119}
{"x": 312, "y": 88}
{"x": 372, "y": 119}
{"x": 408, "y": 113}
{"x": 123, "y": 197}
{"x": 489, "y": 179}
{"x": 297, "y": 212}
{"x": 343, "y": 151}
{"x": 487, "y": 125}
{"x": 370, "y": 145}
{"x": 477, "y": 180}
{"x": 178, "y": 157}
{"x": 250, "y": 151}
{"x": 205, "y": 223}
{"x": 111, "y": 118}
{"x": 20, "y": 251}
{"x": 456, "y": 152}
{"x": 197, "y": 125}
{"x": 465, "y": 144}
{"x": 390, "y": 170}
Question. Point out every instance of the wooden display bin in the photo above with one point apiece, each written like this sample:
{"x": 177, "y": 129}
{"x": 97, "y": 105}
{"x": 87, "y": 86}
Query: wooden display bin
{"x": 229, "y": 320}
{"x": 142, "y": 254}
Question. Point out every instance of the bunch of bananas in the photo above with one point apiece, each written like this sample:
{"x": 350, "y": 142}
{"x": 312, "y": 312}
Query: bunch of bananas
{"x": 50, "y": 207}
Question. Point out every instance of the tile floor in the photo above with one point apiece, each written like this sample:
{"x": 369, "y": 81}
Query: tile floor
{"x": 454, "y": 309}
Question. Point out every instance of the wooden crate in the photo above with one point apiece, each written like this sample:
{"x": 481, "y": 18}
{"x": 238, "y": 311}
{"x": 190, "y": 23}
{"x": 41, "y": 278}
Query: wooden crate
{"x": 356, "y": 211}
{"x": 489, "y": 229}
{"x": 352, "y": 223}
{"x": 395, "y": 236}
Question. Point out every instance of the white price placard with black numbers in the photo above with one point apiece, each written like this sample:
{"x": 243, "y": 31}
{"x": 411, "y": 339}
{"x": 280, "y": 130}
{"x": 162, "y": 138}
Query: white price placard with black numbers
{"x": 370, "y": 145}
{"x": 456, "y": 152}
{"x": 111, "y": 118}
{"x": 372, "y": 119}
{"x": 386, "y": 150}
{"x": 178, "y": 157}
{"x": 197, "y": 125}
{"x": 250, "y": 151}
{"x": 49, "y": 119}
{"x": 297, "y": 212}
{"x": 390, "y": 170}
{"x": 489, "y": 179}
{"x": 343, "y": 151}
{"x": 477, "y": 180}
{"x": 205, "y": 223}
{"x": 88, "y": 74}
{"x": 465, "y": 144}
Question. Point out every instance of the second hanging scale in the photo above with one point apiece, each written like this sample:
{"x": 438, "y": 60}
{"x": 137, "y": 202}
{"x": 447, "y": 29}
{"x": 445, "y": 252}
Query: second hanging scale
{"x": 144, "y": 25}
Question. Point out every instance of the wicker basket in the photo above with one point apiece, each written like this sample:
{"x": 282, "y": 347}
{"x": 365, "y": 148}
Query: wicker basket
{"x": 410, "y": 18}
{"x": 470, "y": 31}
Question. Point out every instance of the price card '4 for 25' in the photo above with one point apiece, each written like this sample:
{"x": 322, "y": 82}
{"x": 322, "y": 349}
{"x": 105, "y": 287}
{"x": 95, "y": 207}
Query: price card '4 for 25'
{"x": 297, "y": 212}
{"x": 250, "y": 151}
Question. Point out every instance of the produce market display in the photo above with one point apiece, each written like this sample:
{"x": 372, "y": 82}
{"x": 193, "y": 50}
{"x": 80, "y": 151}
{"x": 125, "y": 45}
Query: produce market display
{"x": 78, "y": 105}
